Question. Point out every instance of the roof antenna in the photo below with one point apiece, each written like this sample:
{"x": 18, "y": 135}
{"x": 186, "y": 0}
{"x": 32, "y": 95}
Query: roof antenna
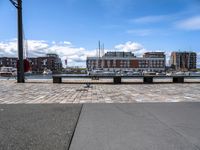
{"x": 102, "y": 50}
{"x": 99, "y": 49}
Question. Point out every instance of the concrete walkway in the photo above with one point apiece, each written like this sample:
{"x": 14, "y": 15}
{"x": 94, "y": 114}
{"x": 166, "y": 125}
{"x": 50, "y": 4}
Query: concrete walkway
{"x": 169, "y": 126}
{"x": 136, "y": 126}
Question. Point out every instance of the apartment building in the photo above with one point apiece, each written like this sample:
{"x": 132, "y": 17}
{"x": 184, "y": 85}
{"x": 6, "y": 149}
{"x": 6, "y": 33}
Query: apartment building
{"x": 38, "y": 65}
{"x": 183, "y": 61}
{"x": 127, "y": 61}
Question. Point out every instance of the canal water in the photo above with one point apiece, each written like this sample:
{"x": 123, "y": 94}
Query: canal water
{"x": 31, "y": 77}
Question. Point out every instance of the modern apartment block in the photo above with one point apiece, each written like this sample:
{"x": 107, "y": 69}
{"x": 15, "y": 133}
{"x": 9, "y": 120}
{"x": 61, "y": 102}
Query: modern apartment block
{"x": 50, "y": 61}
{"x": 183, "y": 61}
{"x": 126, "y": 61}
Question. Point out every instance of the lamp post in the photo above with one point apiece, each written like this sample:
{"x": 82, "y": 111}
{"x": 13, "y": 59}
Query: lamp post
{"x": 20, "y": 67}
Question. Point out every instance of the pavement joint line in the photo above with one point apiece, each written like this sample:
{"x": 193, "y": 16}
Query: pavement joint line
{"x": 73, "y": 133}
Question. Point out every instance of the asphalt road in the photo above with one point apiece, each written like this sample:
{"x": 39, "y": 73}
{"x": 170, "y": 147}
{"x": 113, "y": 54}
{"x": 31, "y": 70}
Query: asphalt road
{"x": 139, "y": 126}
{"x": 37, "y": 127}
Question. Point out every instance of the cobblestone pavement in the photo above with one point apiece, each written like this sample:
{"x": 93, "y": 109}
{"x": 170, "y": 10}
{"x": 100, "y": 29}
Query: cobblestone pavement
{"x": 47, "y": 92}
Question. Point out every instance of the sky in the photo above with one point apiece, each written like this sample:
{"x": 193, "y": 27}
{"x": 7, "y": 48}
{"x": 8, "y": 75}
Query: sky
{"x": 72, "y": 28}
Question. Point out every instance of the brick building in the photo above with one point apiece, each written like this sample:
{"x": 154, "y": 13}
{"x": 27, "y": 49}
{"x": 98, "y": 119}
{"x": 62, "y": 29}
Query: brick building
{"x": 38, "y": 65}
{"x": 8, "y": 62}
{"x": 183, "y": 61}
{"x": 126, "y": 61}
{"x": 50, "y": 61}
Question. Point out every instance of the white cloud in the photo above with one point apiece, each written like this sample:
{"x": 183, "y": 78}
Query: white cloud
{"x": 150, "y": 19}
{"x": 129, "y": 46}
{"x": 65, "y": 49}
{"x": 67, "y": 43}
{"x": 8, "y": 48}
{"x": 192, "y": 23}
{"x": 134, "y": 47}
{"x": 36, "y": 46}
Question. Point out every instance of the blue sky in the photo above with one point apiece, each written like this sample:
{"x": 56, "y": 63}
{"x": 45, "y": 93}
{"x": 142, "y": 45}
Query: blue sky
{"x": 72, "y": 28}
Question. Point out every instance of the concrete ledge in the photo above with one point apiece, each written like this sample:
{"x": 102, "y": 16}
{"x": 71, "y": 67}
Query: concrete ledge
{"x": 57, "y": 79}
{"x": 147, "y": 79}
{"x": 117, "y": 80}
{"x": 178, "y": 79}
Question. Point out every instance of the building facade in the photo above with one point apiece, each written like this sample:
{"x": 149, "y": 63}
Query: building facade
{"x": 38, "y": 65}
{"x": 183, "y": 61}
{"x": 50, "y": 61}
{"x": 8, "y": 62}
{"x": 126, "y": 61}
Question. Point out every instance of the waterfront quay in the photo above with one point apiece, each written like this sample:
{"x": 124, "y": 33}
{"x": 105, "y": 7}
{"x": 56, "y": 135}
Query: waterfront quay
{"x": 44, "y": 91}
{"x": 42, "y": 115}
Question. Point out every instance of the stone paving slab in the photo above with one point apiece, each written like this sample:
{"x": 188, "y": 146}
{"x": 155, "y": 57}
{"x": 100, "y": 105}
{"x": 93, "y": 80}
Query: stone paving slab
{"x": 44, "y": 91}
{"x": 139, "y": 126}
{"x": 37, "y": 127}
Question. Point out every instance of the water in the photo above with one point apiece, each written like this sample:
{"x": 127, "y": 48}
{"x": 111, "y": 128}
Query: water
{"x": 31, "y": 77}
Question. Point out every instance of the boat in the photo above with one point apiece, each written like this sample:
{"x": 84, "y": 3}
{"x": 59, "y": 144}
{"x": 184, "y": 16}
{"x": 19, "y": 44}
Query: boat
{"x": 95, "y": 72}
{"x": 179, "y": 73}
{"x": 136, "y": 74}
{"x": 28, "y": 73}
{"x": 101, "y": 73}
{"x": 47, "y": 72}
{"x": 194, "y": 74}
{"x": 146, "y": 73}
{"x": 161, "y": 74}
{"x": 8, "y": 72}
{"x": 169, "y": 73}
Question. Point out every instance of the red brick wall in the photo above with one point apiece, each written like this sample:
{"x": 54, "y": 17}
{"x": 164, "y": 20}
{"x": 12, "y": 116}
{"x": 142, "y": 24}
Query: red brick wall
{"x": 134, "y": 64}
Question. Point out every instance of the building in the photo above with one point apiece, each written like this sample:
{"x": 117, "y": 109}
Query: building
{"x": 126, "y": 61}
{"x": 38, "y": 65}
{"x": 8, "y": 62}
{"x": 183, "y": 61}
{"x": 50, "y": 61}
{"x": 154, "y": 55}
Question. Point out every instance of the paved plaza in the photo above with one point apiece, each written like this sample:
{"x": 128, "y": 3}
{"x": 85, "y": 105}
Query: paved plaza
{"x": 44, "y": 91}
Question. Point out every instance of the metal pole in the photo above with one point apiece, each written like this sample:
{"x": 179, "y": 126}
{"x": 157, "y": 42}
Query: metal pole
{"x": 20, "y": 69}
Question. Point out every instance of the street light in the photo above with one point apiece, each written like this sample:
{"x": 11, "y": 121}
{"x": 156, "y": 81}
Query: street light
{"x": 20, "y": 67}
